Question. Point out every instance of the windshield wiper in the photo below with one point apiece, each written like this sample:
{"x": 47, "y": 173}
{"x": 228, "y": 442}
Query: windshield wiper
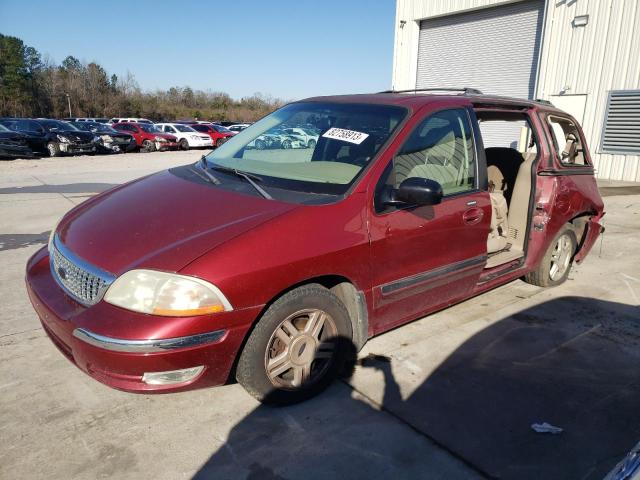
{"x": 208, "y": 175}
{"x": 249, "y": 177}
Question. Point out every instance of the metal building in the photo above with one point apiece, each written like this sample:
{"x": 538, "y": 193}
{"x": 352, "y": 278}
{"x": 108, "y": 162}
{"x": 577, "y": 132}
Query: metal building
{"x": 582, "y": 55}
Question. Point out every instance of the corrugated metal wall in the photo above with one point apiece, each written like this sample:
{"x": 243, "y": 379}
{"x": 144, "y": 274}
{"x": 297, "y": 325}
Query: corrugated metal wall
{"x": 601, "y": 56}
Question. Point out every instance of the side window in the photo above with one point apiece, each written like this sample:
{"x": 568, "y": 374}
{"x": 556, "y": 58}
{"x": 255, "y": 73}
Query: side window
{"x": 440, "y": 148}
{"x": 567, "y": 142}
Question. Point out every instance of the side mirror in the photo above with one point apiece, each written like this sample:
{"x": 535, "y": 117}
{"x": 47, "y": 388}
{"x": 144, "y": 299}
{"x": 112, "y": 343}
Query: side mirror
{"x": 417, "y": 191}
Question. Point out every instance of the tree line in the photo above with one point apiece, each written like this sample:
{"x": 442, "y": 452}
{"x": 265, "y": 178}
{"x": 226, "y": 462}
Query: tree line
{"x": 32, "y": 85}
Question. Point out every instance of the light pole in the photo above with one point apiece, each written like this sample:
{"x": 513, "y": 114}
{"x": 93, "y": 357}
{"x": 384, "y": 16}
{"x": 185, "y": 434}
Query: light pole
{"x": 69, "y": 103}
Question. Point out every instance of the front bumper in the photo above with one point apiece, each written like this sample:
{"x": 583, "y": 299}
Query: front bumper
{"x": 200, "y": 143}
{"x": 167, "y": 146}
{"x": 77, "y": 147}
{"x": 117, "y": 347}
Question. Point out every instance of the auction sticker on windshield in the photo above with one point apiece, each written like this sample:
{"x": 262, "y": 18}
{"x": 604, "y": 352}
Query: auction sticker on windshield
{"x": 350, "y": 136}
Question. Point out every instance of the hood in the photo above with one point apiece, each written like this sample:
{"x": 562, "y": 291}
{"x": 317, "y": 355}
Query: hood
{"x": 81, "y": 137}
{"x": 161, "y": 221}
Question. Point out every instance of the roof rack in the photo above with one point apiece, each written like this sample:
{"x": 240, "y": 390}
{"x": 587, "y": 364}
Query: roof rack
{"x": 464, "y": 90}
{"x": 545, "y": 102}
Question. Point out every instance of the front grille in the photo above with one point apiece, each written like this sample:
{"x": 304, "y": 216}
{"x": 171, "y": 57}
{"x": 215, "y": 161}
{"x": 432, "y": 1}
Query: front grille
{"x": 82, "y": 281}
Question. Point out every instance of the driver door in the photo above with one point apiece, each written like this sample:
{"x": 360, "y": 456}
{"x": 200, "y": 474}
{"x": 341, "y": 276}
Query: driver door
{"x": 427, "y": 257}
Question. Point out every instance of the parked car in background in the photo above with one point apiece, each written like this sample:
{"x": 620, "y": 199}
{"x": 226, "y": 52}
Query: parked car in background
{"x": 238, "y": 127}
{"x": 226, "y": 123}
{"x": 130, "y": 120}
{"x": 13, "y": 144}
{"x": 276, "y": 138}
{"x": 53, "y": 137}
{"x": 186, "y": 135}
{"x": 218, "y": 134}
{"x": 111, "y": 140}
{"x": 307, "y": 138}
{"x": 148, "y": 137}
{"x": 84, "y": 119}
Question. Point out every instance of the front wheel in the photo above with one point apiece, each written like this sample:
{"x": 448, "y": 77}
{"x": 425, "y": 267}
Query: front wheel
{"x": 297, "y": 348}
{"x": 556, "y": 264}
{"x": 54, "y": 149}
{"x": 311, "y": 144}
{"x": 148, "y": 146}
{"x": 286, "y": 144}
{"x": 184, "y": 144}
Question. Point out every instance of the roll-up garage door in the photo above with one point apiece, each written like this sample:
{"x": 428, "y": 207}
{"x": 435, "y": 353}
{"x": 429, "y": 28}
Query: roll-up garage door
{"x": 492, "y": 49}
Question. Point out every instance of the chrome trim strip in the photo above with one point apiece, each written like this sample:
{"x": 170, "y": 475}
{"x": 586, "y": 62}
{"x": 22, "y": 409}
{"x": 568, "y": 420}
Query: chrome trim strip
{"x": 146, "y": 346}
{"x": 429, "y": 275}
{"x": 106, "y": 277}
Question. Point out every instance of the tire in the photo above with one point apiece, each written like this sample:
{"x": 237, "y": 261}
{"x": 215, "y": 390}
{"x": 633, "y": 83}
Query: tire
{"x": 320, "y": 356}
{"x": 184, "y": 144}
{"x": 148, "y": 146}
{"x": 219, "y": 142}
{"x": 53, "y": 148}
{"x": 555, "y": 266}
{"x": 260, "y": 144}
{"x": 286, "y": 144}
{"x": 311, "y": 144}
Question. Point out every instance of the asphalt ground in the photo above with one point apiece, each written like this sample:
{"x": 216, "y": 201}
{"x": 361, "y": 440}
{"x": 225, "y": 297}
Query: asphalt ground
{"x": 452, "y": 395}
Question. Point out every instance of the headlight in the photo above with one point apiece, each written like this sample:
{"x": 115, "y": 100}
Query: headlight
{"x": 160, "y": 139}
{"x": 106, "y": 138}
{"x": 63, "y": 139}
{"x": 166, "y": 294}
{"x": 96, "y": 139}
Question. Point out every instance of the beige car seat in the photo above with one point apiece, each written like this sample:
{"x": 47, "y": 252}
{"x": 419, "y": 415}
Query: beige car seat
{"x": 497, "y": 239}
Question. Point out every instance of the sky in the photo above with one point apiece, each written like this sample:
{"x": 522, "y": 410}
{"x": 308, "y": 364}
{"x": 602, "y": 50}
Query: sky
{"x": 286, "y": 49}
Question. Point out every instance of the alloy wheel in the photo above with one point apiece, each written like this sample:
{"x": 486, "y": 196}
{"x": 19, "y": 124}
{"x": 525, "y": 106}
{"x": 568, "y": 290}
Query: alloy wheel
{"x": 560, "y": 257}
{"x": 299, "y": 351}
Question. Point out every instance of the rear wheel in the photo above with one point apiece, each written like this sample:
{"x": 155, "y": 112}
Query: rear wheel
{"x": 148, "y": 146}
{"x": 556, "y": 264}
{"x": 286, "y": 144}
{"x": 54, "y": 149}
{"x": 260, "y": 144}
{"x": 297, "y": 348}
{"x": 184, "y": 144}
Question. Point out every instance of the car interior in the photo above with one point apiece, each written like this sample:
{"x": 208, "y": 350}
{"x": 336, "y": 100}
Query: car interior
{"x": 510, "y": 149}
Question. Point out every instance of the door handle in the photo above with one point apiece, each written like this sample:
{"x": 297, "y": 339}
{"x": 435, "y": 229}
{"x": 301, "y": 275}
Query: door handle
{"x": 472, "y": 216}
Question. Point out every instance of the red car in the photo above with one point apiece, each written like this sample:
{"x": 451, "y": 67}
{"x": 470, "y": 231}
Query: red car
{"x": 218, "y": 133}
{"x": 148, "y": 137}
{"x": 267, "y": 267}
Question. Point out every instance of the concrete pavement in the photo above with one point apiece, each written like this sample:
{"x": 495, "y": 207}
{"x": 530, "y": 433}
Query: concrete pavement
{"x": 452, "y": 395}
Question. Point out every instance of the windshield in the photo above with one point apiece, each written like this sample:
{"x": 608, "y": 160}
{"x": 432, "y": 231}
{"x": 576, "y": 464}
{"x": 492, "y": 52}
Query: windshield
{"x": 221, "y": 129}
{"x": 184, "y": 128}
{"x": 57, "y": 124}
{"x": 149, "y": 128}
{"x": 349, "y": 136}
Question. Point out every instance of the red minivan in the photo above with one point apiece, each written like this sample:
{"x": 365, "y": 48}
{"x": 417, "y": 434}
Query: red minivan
{"x": 269, "y": 266}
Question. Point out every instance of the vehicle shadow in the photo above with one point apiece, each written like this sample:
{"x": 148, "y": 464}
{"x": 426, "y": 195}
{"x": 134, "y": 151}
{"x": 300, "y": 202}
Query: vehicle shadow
{"x": 571, "y": 362}
{"x": 65, "y": 188}
{"x": 12, "y": 241}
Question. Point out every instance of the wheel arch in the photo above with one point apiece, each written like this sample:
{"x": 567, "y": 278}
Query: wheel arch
{"x": 348, "y": 293}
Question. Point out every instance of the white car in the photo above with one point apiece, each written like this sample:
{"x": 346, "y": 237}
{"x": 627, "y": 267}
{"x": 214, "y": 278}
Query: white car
{"x": 307, "y": 138}
{"x": 129, "y": 120}
{"x": 187, "y": 136}
{"x": 238, "y": 127}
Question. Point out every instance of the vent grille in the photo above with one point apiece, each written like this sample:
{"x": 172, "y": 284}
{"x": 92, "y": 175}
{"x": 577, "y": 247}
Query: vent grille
{"x": 621, "y": 132}
{"x": 513, "y": 233}
{"x": 83, "y": 282}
